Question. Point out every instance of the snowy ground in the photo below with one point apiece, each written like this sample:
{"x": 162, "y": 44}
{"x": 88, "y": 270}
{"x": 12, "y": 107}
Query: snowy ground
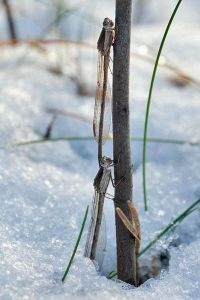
{"x": 45, "y": 188}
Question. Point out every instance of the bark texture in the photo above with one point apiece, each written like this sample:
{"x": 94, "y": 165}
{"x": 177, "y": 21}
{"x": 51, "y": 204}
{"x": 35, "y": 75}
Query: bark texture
{"x": 126, "y": 260}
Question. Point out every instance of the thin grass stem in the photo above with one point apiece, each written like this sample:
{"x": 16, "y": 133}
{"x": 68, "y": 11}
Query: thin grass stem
{"x": 59, "y": 139}
{"x": 76, "y": 245}
{"x": 179, "y": 219}
{"x": 33, "y": 42}
{"x": 89, "y": 138}
{"x": 149, "y": 102}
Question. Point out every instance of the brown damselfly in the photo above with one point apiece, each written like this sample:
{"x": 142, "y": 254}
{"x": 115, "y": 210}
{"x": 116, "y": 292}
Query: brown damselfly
{"x": 101, "y": 124}
{"x": 103, "y": 98}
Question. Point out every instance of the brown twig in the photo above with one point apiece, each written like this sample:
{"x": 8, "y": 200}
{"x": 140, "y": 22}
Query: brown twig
{"x": 10, "y": 20}
{"x": 165, "y": 65}
{"x": 69, "y": 114}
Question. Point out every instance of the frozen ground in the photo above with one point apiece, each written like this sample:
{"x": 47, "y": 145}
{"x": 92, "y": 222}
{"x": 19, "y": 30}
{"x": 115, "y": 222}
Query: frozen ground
{"x": 45, "y": 188}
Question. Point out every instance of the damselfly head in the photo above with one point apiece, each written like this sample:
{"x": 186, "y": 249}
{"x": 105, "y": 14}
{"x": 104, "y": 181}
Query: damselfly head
{"x": 108, "y": 23}
{"x": 106, "y": 161}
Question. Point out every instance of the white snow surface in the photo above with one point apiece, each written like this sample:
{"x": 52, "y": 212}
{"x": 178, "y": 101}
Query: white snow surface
{"x": 46, "y": 187}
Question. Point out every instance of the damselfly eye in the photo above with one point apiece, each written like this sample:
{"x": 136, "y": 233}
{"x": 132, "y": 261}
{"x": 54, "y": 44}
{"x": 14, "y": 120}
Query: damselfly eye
{"x": 107, "y": 160}
{"x": 106, "y": 21}
{"x": 111, "y": 23}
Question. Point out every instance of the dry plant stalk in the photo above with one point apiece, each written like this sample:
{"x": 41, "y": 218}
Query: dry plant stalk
{"x": 187, "y": 78}
{"x": 134, "y": 228}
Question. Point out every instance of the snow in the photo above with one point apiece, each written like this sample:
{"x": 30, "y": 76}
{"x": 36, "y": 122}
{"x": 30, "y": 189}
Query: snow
{"x": 46, "y": 187}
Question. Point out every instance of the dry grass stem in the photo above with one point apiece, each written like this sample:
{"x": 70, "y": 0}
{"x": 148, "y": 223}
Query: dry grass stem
{"x": 134, "y": 226}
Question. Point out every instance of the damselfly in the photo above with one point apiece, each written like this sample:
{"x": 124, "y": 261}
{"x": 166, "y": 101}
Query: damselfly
{"x": 101, "y": 124}
{"x": 103, "y": 98}
{"x": 101, "y": 182}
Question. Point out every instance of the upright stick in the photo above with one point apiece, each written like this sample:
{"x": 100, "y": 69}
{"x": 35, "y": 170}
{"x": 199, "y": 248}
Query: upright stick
{"x": 11, "y": 24}
{"x": 126, "y": 259}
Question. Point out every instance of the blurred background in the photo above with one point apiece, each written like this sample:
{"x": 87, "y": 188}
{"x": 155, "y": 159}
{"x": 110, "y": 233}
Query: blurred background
{"x": 80, "y": 19}
{"x": 59, "y": 36}
{"x": 48, "y": 60}
{"x": 78, "y": 22}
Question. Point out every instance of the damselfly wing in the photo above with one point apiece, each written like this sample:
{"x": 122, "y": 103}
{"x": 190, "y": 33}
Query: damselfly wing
{"x": 101, "y": 244}
{"x": 98, "y": 102}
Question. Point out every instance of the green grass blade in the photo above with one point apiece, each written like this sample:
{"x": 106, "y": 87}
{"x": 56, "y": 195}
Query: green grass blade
{"x": 111, "y": 275}
{"x": 90, "y": 138}
{"x": 169, "y": 227}
{"x": 149, "y": 101}
{"x": 47, "y": 140}
{"x": 168, "y": 141}
{"x": 76, "y": 245}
